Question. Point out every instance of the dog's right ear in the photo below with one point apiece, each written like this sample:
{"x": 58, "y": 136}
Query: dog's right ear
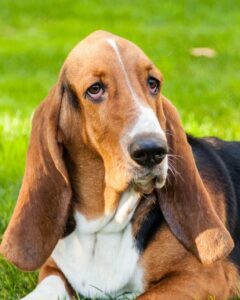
{"x": 43, "y": 204}
{"x": 185, "y": 200}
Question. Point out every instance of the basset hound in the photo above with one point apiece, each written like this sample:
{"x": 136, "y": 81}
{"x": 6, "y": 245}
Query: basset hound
{"x": 116, "y": 198}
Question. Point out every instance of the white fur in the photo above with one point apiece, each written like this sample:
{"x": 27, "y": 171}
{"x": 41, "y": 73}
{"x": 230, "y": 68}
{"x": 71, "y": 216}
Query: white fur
{"x": 115, "y": 48}
{"x": 99, "y": 258}
{"x": 51, "y": 288}
{"x": 146, "y": 121}
{"x": 160, "y": 182}
{"x": 114, "y": 222}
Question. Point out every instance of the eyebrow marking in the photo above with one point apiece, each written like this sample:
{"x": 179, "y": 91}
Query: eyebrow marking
{"x": 114, "y": 45}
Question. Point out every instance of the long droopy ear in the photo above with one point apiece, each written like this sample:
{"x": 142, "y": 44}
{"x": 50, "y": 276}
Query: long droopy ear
{"x": 42, "y": 208}
{"x": 185, "y": 202}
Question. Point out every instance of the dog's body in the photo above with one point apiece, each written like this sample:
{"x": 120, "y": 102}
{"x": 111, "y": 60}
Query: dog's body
{"x": 89, "y": 257}
{"x": 159, "y": 229}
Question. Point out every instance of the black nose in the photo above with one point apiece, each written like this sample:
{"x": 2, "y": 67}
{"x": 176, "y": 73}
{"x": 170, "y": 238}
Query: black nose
{"x": 148, "y": 152}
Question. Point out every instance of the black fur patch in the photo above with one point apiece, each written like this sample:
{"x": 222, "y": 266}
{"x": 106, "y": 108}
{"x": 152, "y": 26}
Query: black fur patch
{"x": 72, "y": 96}
{"x": 150, "y": 222}
{"x": 70, "y": 225}
{"x": 219, "y": 162}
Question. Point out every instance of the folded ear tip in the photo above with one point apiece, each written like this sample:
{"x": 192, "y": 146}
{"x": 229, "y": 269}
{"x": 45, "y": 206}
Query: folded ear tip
{"x": 18, "y": 258}
{"x": 213, "y": 244}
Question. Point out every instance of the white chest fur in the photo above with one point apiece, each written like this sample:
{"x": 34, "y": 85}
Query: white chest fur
{"x": 99, "y": 258}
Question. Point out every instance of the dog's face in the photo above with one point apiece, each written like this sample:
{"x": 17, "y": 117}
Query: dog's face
{"x": 103, "y": 126}
{"x": 116, "y": 90}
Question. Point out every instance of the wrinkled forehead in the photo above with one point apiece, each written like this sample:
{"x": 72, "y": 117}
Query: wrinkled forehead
{"x": 103, "y": 52}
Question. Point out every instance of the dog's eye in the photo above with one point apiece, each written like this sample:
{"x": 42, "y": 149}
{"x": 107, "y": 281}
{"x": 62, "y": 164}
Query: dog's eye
{"x": 153, "y": 85}
{"x": 95, "y": 91}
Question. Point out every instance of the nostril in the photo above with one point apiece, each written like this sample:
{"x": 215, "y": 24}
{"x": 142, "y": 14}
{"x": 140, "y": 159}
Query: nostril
{"x": 139, "y": 154}
{"x": 160, "y": 154}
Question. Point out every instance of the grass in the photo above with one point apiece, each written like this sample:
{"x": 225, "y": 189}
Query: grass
{"x": 37, "y": 35}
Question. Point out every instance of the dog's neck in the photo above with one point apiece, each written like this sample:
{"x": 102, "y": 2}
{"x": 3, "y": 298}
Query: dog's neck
{"x": 114, "y": 221}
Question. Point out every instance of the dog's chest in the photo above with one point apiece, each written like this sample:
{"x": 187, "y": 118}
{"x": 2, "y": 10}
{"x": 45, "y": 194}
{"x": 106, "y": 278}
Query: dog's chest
{"x": 100, "y": 258}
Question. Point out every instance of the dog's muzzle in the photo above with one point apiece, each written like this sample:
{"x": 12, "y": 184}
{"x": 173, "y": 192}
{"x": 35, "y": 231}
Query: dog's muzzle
{"x": 150, "y": 154}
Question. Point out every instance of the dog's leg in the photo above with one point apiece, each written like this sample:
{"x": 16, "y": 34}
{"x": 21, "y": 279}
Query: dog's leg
{"x": 171, "y": 289}
{"x": 52, "y": 287}
{"x": 193, "y": 286}
{"x": 52, "y": 284}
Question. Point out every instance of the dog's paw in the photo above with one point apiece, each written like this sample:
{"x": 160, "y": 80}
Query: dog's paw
{"x": 51, "y": 288}
{"x": 37, "y": 296}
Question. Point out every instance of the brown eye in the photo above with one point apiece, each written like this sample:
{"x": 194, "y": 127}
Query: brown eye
{"x": 95, "y": 91}
{"x": 153, "y": 85}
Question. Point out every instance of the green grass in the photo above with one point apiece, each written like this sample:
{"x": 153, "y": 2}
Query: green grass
{"x": 37, "y": 35}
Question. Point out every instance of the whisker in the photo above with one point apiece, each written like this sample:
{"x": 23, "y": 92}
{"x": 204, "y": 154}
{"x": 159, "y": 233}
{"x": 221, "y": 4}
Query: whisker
{"x": 175, "y": 155}
{"x": 173, "y": 170}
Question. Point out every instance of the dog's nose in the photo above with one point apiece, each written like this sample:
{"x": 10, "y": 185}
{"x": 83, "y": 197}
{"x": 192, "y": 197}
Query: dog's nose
{"x": 148, "y": 152}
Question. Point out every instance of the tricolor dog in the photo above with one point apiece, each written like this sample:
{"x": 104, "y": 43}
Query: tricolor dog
{"x": 116, "y": 198}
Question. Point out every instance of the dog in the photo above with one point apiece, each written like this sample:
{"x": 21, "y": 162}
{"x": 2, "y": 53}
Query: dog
{"x": 116, "y": 197}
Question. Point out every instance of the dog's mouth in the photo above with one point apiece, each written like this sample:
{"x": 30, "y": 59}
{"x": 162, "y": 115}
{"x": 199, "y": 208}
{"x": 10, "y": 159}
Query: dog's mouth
{"x": 149, "y": 179}
{"x": 145, "y": 180}
{"x": 148, "y": 183}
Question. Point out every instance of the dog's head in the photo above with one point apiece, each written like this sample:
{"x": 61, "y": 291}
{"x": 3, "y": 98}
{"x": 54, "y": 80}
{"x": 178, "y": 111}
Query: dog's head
{"x": 114, "y": 91}
{"x": 104, "y": 126}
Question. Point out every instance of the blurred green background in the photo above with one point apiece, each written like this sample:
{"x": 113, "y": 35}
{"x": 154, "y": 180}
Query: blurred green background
{"x": 36, "y": 36}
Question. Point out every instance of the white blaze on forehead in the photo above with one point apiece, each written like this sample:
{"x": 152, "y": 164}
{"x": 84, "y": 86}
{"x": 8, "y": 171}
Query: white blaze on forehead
{"x": 146, "y": 121}
{"x": 113, "y": 43}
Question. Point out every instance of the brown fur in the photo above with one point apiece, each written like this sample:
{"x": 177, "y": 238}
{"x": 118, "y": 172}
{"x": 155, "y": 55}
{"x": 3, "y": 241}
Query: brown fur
{"x": 186, "y": 198}
{"x": 45, "y": 195}
{"x": 75, "y": 162}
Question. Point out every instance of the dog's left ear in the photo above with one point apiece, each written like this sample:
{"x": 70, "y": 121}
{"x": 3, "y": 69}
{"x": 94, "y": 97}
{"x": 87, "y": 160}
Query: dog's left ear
{"x": 185, "y": 202}
{"x": 41, "y": 212}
